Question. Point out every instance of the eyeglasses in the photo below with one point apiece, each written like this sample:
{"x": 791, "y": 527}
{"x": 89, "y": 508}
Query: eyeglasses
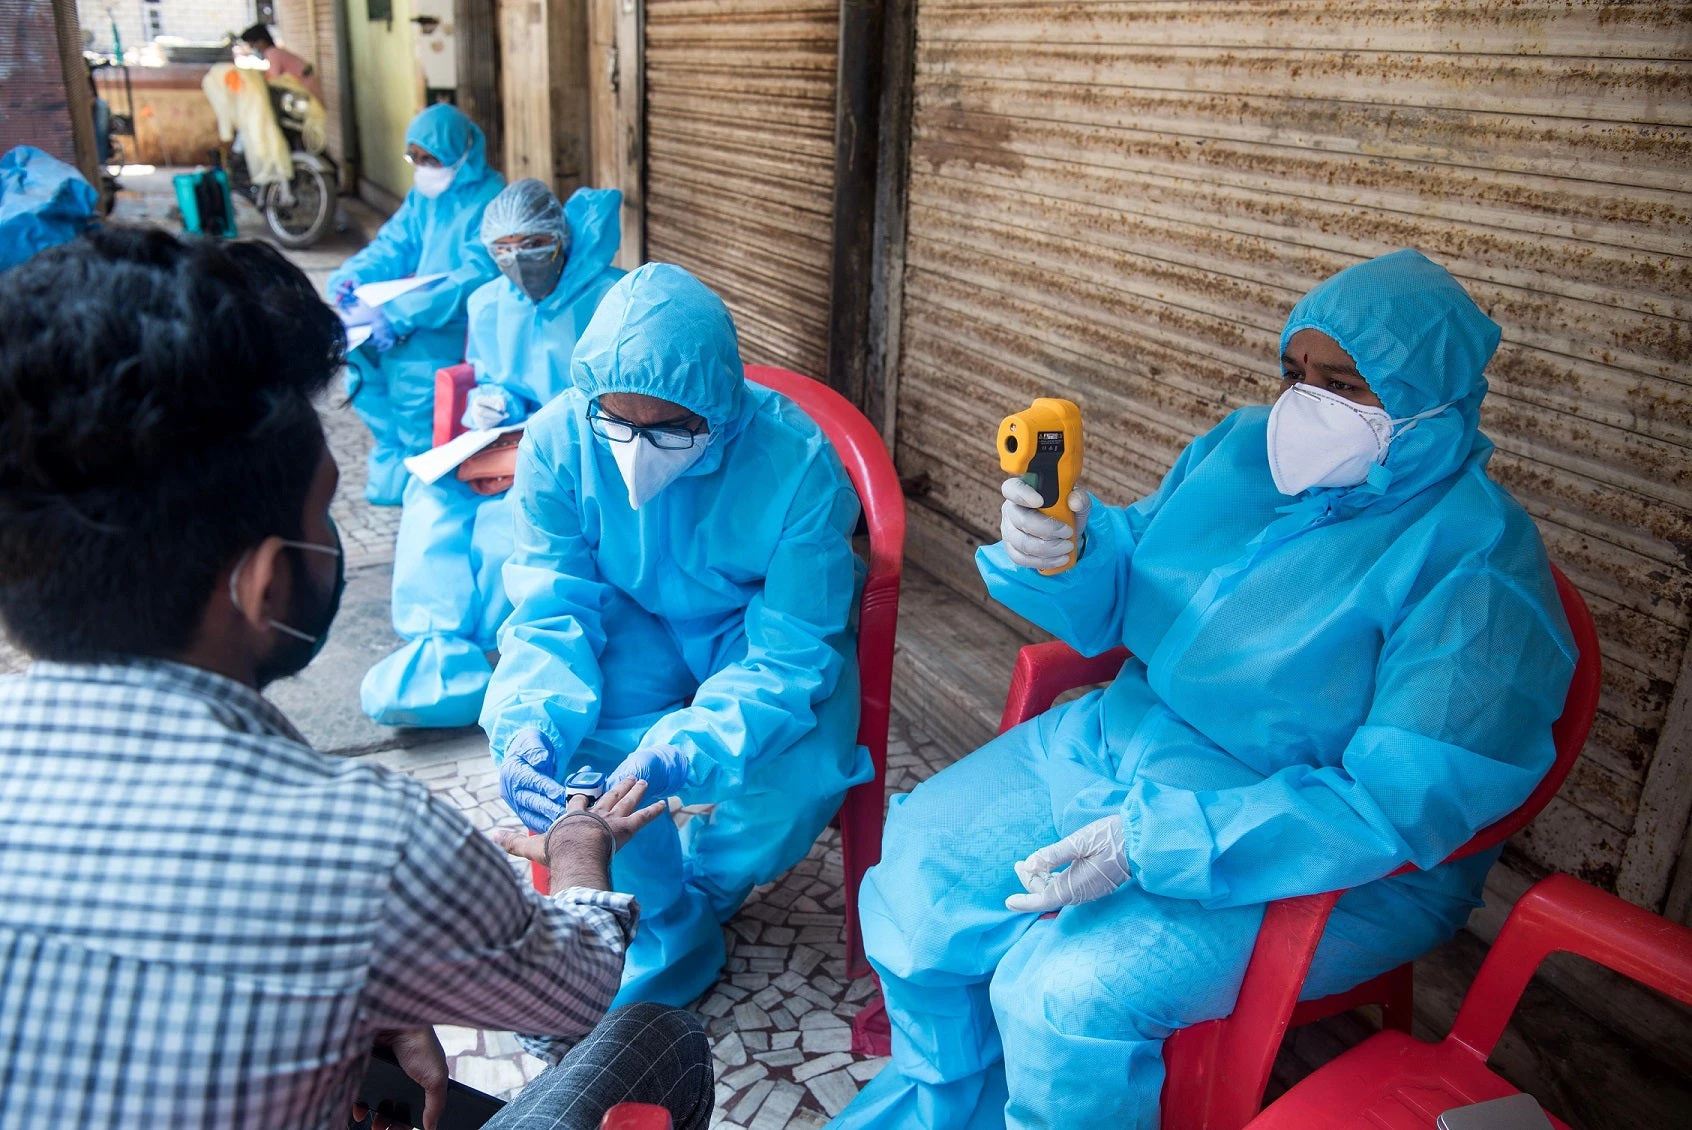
{"x": 530, "y": 244}
{"x": 671, "y": 435}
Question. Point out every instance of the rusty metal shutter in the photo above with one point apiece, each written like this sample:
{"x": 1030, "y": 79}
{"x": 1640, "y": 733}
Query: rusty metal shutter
{"x": 740, "y": 162}
{"x": 1119, "y": 202}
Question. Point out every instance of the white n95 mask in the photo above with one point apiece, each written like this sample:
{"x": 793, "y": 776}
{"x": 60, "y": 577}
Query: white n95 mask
{"x": 647, "y": 469}
{"x": 432, "y": 180}
{"x": 1320, "y": 439}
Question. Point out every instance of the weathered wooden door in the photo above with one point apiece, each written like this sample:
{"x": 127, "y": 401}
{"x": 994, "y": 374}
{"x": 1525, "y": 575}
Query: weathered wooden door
{"x": 616, "y": 99}
{"x": 544, "y": 91}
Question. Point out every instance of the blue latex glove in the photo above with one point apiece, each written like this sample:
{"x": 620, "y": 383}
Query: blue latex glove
{"x": 663, "y": 768}
{"x": 382, "y": 336}
{"x": 343, "y": 298}
{"x": 356, "y": 313}
{"x": 528, "y": 782}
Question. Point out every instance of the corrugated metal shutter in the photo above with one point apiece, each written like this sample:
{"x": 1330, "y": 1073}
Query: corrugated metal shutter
{"x": 1119, "y": 202}
{"x": 740, "y": 162}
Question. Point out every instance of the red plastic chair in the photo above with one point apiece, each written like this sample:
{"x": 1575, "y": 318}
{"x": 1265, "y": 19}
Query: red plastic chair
{"x": 452, "y": 390}
{"x": 1392, "y": 1081}
{"x": 636, "y": 1116}
{"x": 1215, "y": 1072}
{"x": 870, "y": 468}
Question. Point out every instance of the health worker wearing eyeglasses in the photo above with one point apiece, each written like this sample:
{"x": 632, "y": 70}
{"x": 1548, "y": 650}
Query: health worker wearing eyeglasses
{"x": 683, "y": 585}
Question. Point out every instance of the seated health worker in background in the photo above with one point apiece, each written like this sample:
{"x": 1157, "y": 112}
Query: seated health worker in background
{"x": 392, "y": 380}
{"x": 1348, "y": 653}
{"x": 684, "y": 588}
{"x": 448, "y": 598}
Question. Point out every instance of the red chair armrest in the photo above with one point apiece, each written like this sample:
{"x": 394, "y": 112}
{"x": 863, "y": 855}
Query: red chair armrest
{"x": 452, "y": 387}
{"x": 1045, "y": 670}
{"x": 1561, "y": 914}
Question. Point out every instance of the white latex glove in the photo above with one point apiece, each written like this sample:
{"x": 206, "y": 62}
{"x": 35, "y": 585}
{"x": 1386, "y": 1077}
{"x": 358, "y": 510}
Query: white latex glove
{"x": 485, "y": 407}
{"x": 1035, "y": 540}
{"x": 1097, "y": 858}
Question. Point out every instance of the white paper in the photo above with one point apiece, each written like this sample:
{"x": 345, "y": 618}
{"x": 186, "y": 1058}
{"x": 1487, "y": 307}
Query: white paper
{"x": 357, "y": 336}
{"x": 437, "y": 461}
{"x": 376, "y": 293}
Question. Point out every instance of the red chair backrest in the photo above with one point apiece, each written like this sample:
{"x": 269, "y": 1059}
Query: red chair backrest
{"x": 870, "y": 468}
{"x": 452, "y": 389}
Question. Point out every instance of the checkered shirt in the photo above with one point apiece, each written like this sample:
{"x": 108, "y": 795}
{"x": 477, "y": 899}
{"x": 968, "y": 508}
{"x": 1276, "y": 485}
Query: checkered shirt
{"x": 204, "y": 922}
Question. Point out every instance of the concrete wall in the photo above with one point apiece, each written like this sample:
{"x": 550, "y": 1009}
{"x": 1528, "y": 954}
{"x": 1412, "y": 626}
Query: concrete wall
{"x": 174, "y": 124}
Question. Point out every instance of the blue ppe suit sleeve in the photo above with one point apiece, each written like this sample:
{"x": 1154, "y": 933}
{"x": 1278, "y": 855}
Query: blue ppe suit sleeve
{"x": 760, "y": 704}
{"x": 1457, "y": 736}
{"x": 437, "y": 306}
{"x": 485, "y": 356}
{"x": 548, "y": 675}
{"x": 1082, "y": 606}
{"x": 393, "y": 254}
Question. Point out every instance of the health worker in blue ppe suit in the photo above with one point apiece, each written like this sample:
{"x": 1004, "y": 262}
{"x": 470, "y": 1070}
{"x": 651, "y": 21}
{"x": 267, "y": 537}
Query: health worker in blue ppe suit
{"x": 684, "y": 592}
{"x": 1348, "y": 653}
{"x": 392, "y": 378}
{"x": 448, "y": 599}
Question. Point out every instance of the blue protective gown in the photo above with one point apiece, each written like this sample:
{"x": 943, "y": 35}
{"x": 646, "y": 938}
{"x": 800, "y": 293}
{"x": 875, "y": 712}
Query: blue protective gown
{"x": 395, "y": 391}
{"x": 718, "y": 618}
{"x": 448, "y": 598}
{"x": 1325, "y": 687}
{"x": 43, "y": 203}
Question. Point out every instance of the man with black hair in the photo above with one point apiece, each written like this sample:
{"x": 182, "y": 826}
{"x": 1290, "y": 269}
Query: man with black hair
{"x": 281, "y": 60}
{"x": 203, "y": 921}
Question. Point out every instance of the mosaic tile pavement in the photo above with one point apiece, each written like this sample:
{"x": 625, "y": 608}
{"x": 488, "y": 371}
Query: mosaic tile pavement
{"x": 779, "y": 1019}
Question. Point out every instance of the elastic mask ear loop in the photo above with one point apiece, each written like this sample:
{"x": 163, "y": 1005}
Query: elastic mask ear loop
{"x": 1380, "y": 477}
{"x": 235, "y": 596}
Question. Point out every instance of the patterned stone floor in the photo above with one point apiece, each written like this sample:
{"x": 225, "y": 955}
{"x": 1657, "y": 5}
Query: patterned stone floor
{"x": 779, "y": 1019}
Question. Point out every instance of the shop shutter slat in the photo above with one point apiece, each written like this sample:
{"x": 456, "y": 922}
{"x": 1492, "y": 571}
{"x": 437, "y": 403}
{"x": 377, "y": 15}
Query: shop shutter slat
{"x": 1119, "y": 202}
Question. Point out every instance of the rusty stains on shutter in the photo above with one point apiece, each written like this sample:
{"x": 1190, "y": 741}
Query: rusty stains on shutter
{"x": 1119, "y": 203}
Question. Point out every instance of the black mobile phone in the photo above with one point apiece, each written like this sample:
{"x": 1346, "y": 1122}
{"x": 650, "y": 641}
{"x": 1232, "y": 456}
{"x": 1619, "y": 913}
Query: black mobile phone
{"x": 1517, "y": 1112}
{"x": 389, "y": 1091}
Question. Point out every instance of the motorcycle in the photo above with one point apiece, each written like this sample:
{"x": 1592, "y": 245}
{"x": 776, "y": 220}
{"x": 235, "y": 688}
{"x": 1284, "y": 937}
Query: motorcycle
{"x": 301, "y": 210}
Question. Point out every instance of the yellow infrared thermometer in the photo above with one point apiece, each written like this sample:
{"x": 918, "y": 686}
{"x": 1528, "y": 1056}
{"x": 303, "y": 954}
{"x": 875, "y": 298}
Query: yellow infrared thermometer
{"x": 1042, "y": 445}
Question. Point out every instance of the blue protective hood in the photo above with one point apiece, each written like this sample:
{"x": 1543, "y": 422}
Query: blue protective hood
{"x": 661, "y": 332}
{"x": 594, "y": 217}
{"x": 43, "y": 202}
{"x": 1420, "y": 341}
{"x": 449, "y": 136}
